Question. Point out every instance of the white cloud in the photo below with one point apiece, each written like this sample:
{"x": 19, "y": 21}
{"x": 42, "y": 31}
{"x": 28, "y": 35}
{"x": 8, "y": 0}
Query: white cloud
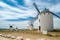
{"x": 56, "y": 23}
{"x": 10, "y": 12}
{"x": 55, "y": 8}
{"x": 10, "y": 7}
{"x": 17, "y": 4}
{"x": 28, "y": 2}
{"x": 14, "y": 1}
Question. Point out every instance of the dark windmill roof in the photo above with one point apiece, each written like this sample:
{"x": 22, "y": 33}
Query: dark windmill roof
{"x": 46, "y": 11}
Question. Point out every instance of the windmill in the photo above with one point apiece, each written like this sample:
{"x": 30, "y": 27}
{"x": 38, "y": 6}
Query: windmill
{"x": 16, "y": 28}
{"x": 11, "y": 26}
{"x": 46, "y": 19}
{"x": 31, "y": 22}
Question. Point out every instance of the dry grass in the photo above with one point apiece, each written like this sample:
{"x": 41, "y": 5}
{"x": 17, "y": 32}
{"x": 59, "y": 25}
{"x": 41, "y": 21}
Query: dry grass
{"x": 33, "y": 34}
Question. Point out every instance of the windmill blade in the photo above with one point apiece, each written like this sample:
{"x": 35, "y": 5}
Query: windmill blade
{"x": 36, "y": 7}
{"x": 55, "y": 15}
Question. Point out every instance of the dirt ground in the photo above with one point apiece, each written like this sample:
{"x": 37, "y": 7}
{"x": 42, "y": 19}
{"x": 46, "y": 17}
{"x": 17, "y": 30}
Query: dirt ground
{"x": 27, "y": 34}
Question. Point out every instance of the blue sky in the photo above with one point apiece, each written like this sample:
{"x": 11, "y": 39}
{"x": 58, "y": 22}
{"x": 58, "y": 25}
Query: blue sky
{"x": 19, "y": 12}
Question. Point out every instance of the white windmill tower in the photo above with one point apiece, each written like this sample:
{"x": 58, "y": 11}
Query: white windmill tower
{"x": 46, "y": 19}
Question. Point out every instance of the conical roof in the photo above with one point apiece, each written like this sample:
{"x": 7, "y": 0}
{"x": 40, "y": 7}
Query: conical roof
{"x": 45, "y": 11}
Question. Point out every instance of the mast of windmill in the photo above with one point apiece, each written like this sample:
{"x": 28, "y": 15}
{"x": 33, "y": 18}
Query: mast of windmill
{"x": 46, "y": 19}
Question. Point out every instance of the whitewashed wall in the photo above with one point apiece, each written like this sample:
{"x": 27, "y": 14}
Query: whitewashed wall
{"x": 46, "y": 22}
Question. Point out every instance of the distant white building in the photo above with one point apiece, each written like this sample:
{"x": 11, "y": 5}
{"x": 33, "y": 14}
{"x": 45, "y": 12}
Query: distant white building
{"x": 11, "y": 27}
{"x": 16, "y": 28}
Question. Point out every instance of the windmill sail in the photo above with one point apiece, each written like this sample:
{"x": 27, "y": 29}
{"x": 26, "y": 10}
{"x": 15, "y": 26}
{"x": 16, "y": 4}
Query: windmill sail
{"x": 35, "y": 18}
{"x": 36, "y": 7}
{"x": 55, "y": 15}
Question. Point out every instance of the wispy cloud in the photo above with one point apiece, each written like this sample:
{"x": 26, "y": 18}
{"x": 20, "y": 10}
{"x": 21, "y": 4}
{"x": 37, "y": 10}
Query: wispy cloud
{"x": 55, "y": 8}
{"x": 10, "y": 12}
